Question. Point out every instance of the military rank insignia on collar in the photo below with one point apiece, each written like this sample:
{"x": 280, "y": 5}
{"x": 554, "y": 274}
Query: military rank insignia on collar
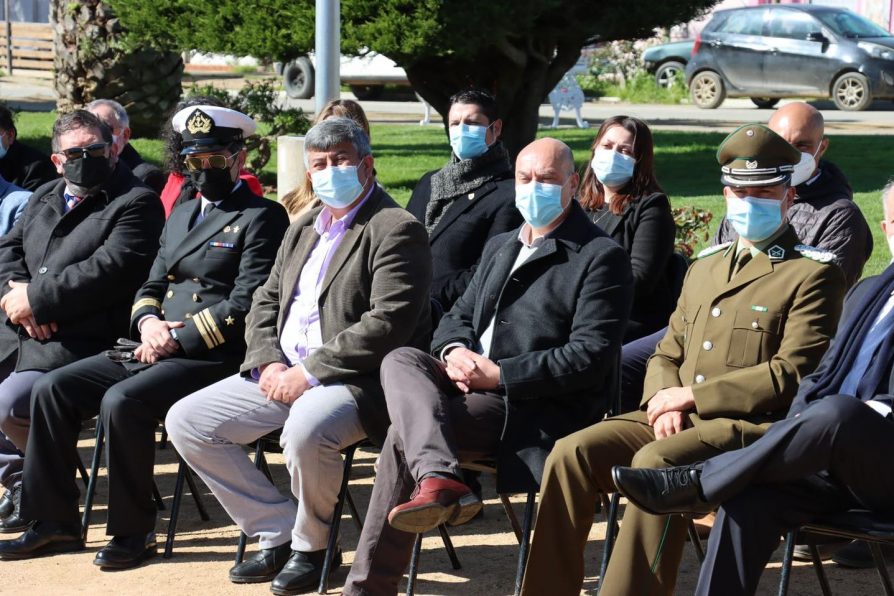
{"x": 776, "y": 253}
{"x": 707, "y": 252}
{"x": 815, "y": 254}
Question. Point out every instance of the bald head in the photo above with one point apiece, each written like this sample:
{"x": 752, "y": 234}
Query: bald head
{"x": 548, "y": 161}
{"x": 802, "y": 125}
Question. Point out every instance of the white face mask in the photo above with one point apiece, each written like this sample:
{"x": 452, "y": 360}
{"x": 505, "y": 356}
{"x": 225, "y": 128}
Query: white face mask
{"x": 805, "y": 168}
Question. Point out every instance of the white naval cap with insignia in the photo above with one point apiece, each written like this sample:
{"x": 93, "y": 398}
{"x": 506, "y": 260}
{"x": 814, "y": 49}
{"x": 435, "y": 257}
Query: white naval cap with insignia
{"x": 207, "y": 128}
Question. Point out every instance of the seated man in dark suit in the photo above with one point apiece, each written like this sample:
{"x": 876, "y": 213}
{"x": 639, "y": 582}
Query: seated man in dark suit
{"x": 830, "y": 454}
{"x": 190, "y": 319}
{"x": 349, "y": 285}
{"x": 115, "y": 117}
{"x": 525, "y": 356}
{"x": 68, "y": 272}
{"x": 20, "y": 164}
{"x": 469, "y": 200}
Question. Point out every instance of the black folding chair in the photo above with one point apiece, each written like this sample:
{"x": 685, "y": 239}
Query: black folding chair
{"x": 856, "y": 524}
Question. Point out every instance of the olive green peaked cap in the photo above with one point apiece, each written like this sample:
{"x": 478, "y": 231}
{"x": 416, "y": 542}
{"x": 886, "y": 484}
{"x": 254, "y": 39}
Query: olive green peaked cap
{"x": 754, "y": 155}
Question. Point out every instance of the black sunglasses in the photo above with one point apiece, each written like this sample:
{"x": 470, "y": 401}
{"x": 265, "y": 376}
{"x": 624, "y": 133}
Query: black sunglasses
{"x": 94, "y": 150}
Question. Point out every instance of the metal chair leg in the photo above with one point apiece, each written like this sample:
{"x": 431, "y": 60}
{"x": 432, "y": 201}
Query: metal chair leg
{"x": 85, "y": 478}
{"x": 695, "y": 540}
{"x": 332, "y": 542}
{"x": 91, "y": 485}
{"x": 525, "y": 545}
{"x": 448, "y": 546}
{"x": 414, "y": 565}
{"x": 159, "y": 502}
{"x": 878, "y": 556}
{"x": 785, "y": 573}
{"x": 175, "y": 509}
{"x": 611, "y": 530}
{"x": 355, "y": 514}
{"x": 259, "y": 454}
{"x": 510, "y": 513}
{"x": 196, "y": 496}
{"x": 163, "y": 442}
{"x": 819, "y": 569}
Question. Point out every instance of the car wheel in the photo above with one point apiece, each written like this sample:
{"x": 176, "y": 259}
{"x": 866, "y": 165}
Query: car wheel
{"x": 667, "y": 72}
{"x": 706, "y": 90}
{"x": 850, "y": 92}
{"x": 765, "y": 103}
{"x": 298, "y": 78}
{"x": 367, "y": 92}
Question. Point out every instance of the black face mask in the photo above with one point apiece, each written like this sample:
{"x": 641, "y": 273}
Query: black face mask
{"x": 87, "y": 173}
{"x": 214, "y": 184}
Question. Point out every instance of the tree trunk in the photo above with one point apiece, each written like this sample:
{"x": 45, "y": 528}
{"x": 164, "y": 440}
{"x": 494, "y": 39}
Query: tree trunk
{"x": 520, "y": 76}
{"x": 91, "y": 63}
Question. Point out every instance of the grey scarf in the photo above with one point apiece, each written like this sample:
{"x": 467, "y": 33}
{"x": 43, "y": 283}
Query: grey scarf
{"x": 460, "y": 177}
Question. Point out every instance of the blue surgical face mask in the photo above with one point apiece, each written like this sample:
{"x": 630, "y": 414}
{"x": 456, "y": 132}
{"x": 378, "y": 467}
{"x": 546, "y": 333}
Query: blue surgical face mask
{"x": 753, "y": 218}
{"x": 337, "y": 186}
{"x": 467, "y": 140}
{"x": 613, "y": 169}
{"x": 539, "y": 203}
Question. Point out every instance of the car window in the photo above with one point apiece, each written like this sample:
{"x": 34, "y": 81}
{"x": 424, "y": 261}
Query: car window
{"x": 746, "y": 22}
{"x": 848, "y": 24}
{"x": 792, "y": 24}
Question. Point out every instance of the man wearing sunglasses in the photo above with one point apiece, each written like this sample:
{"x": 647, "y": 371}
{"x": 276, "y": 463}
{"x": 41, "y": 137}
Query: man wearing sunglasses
{"x": 189, "y": 317}
{"x": 68, "y": 271}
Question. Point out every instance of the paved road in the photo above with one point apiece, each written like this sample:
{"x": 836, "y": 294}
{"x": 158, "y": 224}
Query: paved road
{"x": 38, "y": 95}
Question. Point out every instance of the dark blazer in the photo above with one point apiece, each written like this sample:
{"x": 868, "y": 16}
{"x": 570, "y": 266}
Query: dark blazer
{"x": 151, "y": 175}
{"x": 26, "y": 167}
{"x": 374, "y": 298}
{"x": 646, "y": 230}
{"x": 559, "y": 321}
{"x": 83, "y": 267}
{"x": 459, "y": 238}
{"x": 205, "y": 276}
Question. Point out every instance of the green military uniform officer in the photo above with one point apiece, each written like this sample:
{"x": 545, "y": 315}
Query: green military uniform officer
{"x": 754, "y": 317}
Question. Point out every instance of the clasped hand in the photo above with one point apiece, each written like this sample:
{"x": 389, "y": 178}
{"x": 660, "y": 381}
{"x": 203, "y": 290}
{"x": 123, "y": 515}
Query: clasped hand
{"x": 282, "y": 383}
{"x": 470, "y": 371}
{"x": 666, "y": 410}
{"x": 18, "y": 309}
{"x": 157, "y": 341}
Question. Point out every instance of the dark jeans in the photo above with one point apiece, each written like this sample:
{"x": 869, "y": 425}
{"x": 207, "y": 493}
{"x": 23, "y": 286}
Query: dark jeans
{"x": 634, "y": 357}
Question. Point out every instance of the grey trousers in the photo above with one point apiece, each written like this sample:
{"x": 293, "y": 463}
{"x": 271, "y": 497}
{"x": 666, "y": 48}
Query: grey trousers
{"x": 15, "y": 419}
{"x": 209, "y": 427}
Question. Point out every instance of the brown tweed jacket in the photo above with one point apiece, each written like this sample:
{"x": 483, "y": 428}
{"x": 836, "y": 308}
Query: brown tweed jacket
{"x": 374, "y": 298}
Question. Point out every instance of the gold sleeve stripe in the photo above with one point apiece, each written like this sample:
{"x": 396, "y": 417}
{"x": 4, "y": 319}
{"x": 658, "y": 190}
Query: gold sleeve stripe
{"x": 212, "y": 325}
{"x": 203, "y": 331}
{"x": 143, "y": 303}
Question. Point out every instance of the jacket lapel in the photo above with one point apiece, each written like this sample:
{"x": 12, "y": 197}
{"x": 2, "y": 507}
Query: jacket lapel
{"x": 351, "y": 238}
{"x": 211, "y": 225}
{"x": 460, "y": 205}
{"x": 296, "y": 257}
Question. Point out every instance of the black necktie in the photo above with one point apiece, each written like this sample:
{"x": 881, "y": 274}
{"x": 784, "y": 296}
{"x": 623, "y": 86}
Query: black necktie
{"x": 205, "y": 211}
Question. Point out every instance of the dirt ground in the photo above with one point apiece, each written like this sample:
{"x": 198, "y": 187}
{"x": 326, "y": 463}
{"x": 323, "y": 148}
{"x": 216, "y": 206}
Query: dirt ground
{"x": 204, "y": 551}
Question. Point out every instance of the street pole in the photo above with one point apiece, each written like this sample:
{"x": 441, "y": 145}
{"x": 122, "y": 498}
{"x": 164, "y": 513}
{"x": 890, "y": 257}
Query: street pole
{"x": 328, "y": 52}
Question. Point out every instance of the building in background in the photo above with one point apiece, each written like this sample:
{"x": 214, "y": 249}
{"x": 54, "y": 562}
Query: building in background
{"x": 25, "y": 11}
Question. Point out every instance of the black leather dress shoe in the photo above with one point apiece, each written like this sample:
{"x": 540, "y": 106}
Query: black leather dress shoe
{"x": 662, "y": 491}
{"x": 263, "y": 566}
{"x": 43, "y": 539}
{"x": 14, "y": 523}
{"x": 124, "y": 552}
{"x": 302, "y": 573}
{"x": 6, "y": 504}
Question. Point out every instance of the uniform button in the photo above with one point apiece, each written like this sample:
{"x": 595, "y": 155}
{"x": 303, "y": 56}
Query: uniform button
{"x": 171, "y": 277}
{"x": 189, "y": 315}
{"x": 195, "y": 279}
{"x": 195, "y": 297}
{"x": 162, "y": 312}
{"x": 716, "y": 312}
{"x": 699, "y": 378}
{"x": 170, "y": 294}
{"x": 42, "y": 270}
{"x": 755, "y": 325}
{"x": 707, "y": 345}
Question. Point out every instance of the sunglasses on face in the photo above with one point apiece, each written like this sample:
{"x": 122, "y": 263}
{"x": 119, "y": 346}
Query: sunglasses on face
{"x": 94, "y": 150}
{"x": 217, "y": 162}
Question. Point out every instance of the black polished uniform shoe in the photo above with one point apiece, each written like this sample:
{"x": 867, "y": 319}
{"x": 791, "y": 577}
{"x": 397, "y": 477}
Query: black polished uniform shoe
{"x": 124, "y": 552}
{"x": 302, "y": 573}
{"x": 6, "y": 504}
{"x": 14, "y": 523}
{"x": 44, "y": 538}
{"x": 263, "y": 566}
{"x": 662, "y": 491}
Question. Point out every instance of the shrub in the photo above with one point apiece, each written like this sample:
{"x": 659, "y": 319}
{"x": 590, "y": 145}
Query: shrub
{"x": 692, "y": 228}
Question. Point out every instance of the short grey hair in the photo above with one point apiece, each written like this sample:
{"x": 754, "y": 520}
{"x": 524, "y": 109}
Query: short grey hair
{"x": 120, "y": 113}
{"x": 332, "y": 131}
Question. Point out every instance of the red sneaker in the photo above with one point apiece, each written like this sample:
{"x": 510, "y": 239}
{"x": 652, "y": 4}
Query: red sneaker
{"x": 434, "y": 502}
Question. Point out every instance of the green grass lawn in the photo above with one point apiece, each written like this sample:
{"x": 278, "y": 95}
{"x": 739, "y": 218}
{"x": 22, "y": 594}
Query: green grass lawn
{"x": 685, "y": 162}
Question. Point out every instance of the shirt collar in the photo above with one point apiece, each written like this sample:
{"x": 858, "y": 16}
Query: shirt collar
{"x": 524, "y": 235}
{"x": 326, "y": 223}
{"x": 763, "y": 245}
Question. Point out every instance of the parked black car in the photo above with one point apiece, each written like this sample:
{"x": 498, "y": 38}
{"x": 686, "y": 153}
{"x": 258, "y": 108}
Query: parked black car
{"x": 667, "y": 60}
{"x": 773, "y": 51}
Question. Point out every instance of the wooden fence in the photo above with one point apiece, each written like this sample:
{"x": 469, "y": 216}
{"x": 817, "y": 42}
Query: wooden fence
{"x": 27, "y": 49}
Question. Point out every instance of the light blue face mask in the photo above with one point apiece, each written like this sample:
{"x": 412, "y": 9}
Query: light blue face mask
{"x": 337, "y": 186}
{"x": 613, "y": 169}
{"x": 753, "y": 218}
{"x": 539, "y": 203}
{"x": 467, "y": 140}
